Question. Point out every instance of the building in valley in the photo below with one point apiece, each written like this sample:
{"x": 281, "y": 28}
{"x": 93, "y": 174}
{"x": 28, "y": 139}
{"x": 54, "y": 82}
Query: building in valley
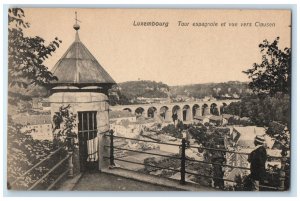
{"x": 38, "y": 126}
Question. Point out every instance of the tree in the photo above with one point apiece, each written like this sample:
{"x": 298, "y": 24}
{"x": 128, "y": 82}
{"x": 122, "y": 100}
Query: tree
{"x": 273, "y": 74}
{"x": 24, "y": 152}
{"x": 262, "y": 110}
{"x": 26, "y": 55}
{"x": 65, "y": 132}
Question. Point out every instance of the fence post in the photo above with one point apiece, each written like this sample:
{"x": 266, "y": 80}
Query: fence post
{"x": 70, "y": 164}
{"x": 182, "y": 169}
{"x": 282, "y": 173}
{"x": 112, "y": 163}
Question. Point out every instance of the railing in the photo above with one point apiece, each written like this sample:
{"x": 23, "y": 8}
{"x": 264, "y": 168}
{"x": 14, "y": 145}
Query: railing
{"x": 183, "y": 160}
{"x": 47, "y": 174}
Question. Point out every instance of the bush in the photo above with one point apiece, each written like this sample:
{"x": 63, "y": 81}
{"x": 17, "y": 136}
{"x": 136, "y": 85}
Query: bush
{"x": 172, "y": 131}
{"x": 23, "y": 152}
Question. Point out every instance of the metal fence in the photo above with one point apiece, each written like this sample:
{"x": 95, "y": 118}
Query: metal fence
{"x": 184, "y": 159}
{"x": 50, "y": 170}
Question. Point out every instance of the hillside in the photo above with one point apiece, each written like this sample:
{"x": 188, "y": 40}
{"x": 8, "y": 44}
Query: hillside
{"x": 133, "y": 92}
{"x": 229, "y": 89}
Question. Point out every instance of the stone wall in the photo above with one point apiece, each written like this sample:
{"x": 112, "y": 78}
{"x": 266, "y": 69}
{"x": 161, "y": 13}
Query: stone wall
{"x": 83, "y": 102}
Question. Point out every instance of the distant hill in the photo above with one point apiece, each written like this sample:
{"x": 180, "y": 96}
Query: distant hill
{"x": 132, "y": 91}
{"x": 144, "y": 88}
{"x": 217, "y": 90}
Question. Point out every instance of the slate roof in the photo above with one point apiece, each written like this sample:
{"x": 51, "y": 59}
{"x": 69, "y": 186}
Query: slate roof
{"x": 78, "y": 66}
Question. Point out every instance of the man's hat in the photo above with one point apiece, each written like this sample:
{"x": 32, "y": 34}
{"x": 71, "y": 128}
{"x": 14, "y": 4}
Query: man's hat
{"x": 259, "y": 139}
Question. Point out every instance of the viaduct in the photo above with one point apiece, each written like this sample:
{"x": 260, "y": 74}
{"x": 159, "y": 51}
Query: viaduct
{"x": 184, "y": 111}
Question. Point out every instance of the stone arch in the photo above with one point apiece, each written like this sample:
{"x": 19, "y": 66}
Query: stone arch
{"x": 205, "y": 110}
{"x": 214, "y": 109}
{"x": 139, "y": 111}
{"x": 187, "y": 113}
{"x": 128, "y": 109}
{"x": 176, "y": 113}
{"x": 164, "y": 113}
{"x": 196, "y": 110}
{"x": 152, "y": 112}
{"x": 223, "y": 108}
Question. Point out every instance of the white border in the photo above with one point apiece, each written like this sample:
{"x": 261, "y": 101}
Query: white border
{"x": 179, "y": 3}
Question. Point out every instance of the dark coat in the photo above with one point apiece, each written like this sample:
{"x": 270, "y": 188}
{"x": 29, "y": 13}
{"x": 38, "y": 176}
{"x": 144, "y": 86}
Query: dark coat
{"x": 257, "y": 159}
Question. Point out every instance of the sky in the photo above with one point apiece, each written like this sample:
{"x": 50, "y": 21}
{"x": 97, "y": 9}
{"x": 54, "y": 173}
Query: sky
{"x": 175, "y": 55}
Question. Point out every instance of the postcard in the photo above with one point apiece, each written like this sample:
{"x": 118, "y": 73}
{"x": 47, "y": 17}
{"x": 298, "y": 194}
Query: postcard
{"x": 149, "y": 99}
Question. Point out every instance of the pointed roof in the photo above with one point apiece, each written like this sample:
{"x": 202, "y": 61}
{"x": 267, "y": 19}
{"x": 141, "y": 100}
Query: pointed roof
{"x": 79, "y": 67}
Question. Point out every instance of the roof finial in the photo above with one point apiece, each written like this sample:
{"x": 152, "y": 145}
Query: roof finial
{"x": 76, "y": 25}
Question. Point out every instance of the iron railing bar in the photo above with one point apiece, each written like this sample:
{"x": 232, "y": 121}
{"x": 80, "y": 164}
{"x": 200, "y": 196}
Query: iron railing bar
{"x": 228, "y": 151}
{"x": 207, "y": 148}
{"x": 37, "y": 164}
{"x": 192, "y": 160}
{"x": 145, "y": 140}
{"x": 51, "y": 170}
{"x": 191, "y": 173}
{"x": 57, "y": 180}
{"x": 239, "y": 167}
{"x": 145, "y": 152}
{"x": 221, "y": 150}
{"x": 147, "y": 165}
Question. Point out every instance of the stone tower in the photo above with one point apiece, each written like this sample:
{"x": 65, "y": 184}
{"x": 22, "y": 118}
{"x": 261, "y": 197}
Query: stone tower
{"x": 83, "y": 84}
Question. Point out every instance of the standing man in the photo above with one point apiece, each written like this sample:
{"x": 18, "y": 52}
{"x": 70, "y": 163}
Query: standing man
{"x": 257, "y": 159}
{"x": 218, "y": 158}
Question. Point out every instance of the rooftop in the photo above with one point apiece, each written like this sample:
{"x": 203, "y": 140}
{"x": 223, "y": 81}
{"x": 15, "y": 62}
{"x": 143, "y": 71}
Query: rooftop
{"x": 79, "y": 67}
{"x": 33, "y": 119}
{"x": 247, "y": 135}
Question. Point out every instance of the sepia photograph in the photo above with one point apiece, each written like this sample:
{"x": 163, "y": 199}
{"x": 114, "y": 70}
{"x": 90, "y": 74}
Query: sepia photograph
{"x": 146, "y": 99}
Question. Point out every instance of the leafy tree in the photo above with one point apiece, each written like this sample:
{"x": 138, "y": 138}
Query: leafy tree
{"x": 273, "y": 74}
{"x": 26, "y": 55}
{"x": 65, "y": 132}
{"x": 172, "y": 131}
{"x": 23, "y": 153}
{"x": 263, "y": 109}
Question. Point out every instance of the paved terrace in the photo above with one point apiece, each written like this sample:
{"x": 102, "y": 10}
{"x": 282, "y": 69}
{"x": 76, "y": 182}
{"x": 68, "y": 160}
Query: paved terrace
{"x": 118, "y": 179}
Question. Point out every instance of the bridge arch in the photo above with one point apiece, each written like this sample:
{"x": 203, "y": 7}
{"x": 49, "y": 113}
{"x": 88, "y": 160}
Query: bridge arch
{"x": 165, "y": 113}
{"x": 176, "y": 112}
{"x": 214, "y": 109}
{"x": 223, "y": 108}
{"x": 196, "y": 110}
{"x": 140, "y": 111}
{"x": 187, "y": 113}
{"x": 128, "y": 109}
{"x": 205, "y": 110}
{"x": 152, "y": 112}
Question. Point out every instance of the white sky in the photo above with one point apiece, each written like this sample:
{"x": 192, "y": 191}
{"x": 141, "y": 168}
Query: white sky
{"x": 174, "y": 55}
